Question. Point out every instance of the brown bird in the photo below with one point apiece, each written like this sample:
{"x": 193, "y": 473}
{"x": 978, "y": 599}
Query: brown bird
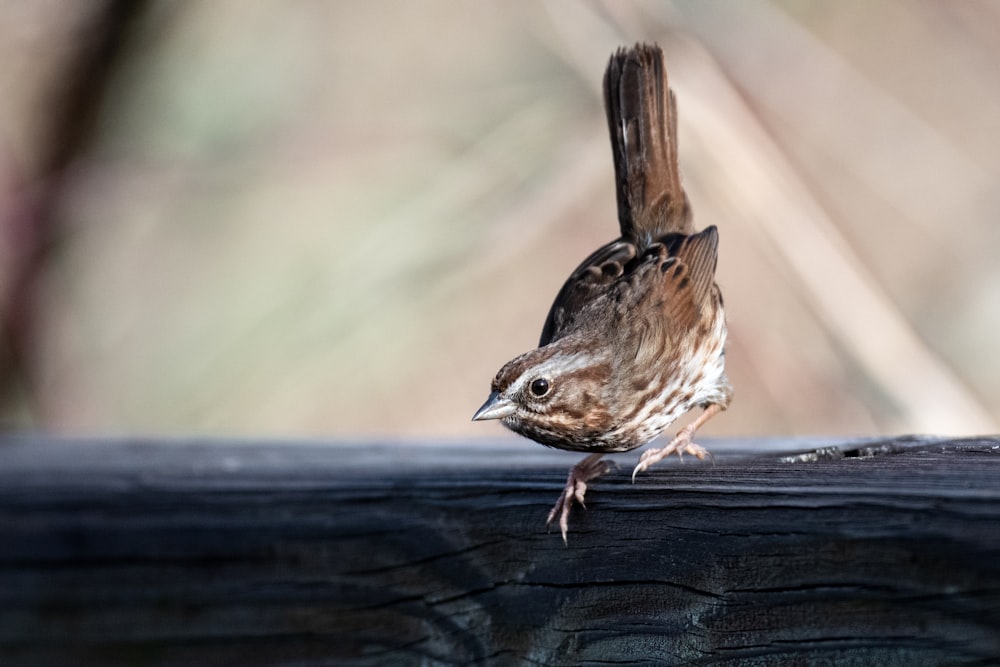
{"x": 636, "y": 337}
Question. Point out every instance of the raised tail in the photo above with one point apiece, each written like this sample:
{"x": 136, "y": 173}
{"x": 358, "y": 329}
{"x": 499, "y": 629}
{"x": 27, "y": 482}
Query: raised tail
{"x": 642, "y": 120}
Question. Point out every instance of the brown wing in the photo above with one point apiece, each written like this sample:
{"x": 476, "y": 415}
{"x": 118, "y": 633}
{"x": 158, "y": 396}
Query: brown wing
{"x": 642, "y": 120}
{"x": 686, "y": 264}
{"x": 677, "y": 278}
{"x": 688, "y": 279}
{"x": 593, "y": 277}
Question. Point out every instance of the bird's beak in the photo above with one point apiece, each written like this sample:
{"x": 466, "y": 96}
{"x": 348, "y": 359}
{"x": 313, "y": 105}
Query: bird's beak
{"x": 495, "y": 407}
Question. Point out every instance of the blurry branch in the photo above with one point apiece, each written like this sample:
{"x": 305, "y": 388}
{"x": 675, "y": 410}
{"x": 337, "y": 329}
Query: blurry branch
{"x": 29, "y": 220}
{"x": 752, "y": 171}
{"x": 760, "y": 181}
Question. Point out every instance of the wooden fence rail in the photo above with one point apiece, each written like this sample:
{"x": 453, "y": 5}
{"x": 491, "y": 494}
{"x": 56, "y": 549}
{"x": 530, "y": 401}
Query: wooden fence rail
{"x": 210, "y": 553}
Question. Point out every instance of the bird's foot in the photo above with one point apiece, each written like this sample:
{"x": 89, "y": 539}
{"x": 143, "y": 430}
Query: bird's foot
{"x": 575, "y": 489}
{"x": 680, "y": 445}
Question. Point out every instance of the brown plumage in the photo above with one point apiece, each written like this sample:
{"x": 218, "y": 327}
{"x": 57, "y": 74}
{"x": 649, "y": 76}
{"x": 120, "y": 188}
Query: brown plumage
{"x": 636, "y": 336}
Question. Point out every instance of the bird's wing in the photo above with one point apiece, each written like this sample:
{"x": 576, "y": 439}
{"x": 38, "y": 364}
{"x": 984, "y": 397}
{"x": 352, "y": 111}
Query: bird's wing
{"x": 593, "y": 277}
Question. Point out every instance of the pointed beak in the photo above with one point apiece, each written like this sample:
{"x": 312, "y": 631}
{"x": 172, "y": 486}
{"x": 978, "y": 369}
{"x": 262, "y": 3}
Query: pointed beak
{"x": 495, "y": 407}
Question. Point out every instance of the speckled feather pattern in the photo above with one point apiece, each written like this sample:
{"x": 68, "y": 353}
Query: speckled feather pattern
{"x": 594, "y": 357}
{"x": 636, "y": 336}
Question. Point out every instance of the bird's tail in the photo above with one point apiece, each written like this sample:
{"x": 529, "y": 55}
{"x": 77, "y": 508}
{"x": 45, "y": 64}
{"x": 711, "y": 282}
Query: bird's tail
{"x": 642, "y": 119}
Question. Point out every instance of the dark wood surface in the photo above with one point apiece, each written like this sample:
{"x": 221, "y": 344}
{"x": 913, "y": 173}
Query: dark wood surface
{"x": 271, "y": 553}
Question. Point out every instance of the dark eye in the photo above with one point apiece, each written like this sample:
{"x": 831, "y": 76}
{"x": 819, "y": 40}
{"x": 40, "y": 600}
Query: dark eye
{"x": 540, "y": 387}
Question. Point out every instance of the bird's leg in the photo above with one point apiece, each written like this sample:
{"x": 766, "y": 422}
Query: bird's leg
{"x": 576, "y": 486}
{"x": 681, "y": 443}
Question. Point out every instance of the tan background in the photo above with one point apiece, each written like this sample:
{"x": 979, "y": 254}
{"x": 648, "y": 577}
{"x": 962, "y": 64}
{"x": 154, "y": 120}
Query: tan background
{"x": 340, "y": 218}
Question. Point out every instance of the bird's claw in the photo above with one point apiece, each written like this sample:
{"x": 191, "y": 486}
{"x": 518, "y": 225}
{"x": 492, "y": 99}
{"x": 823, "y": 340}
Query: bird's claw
{"x": 575, "y": 490}
{"x": 680, "y": 445}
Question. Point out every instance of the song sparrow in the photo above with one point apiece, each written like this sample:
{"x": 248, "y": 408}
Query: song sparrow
{"x": 636, "y": 337}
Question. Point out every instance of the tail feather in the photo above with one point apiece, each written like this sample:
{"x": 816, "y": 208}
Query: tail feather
{"x": 642, "y": 120}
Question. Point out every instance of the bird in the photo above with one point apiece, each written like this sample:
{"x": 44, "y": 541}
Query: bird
{"x": 636, "y": 336}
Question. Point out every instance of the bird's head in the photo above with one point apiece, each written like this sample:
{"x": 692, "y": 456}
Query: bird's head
{"x": 553, "y": 395}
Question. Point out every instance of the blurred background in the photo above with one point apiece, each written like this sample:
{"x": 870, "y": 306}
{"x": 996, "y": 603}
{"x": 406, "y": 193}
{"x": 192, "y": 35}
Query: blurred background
{"x": 339, "y": 219}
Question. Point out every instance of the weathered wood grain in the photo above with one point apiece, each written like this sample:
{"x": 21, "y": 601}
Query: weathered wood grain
{"x": 201, "y": 553}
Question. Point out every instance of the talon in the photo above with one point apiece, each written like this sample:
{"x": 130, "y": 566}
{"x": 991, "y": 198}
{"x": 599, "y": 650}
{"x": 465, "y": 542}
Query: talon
{"x": 575, "y": 490}
{"x": 697, "y": 451}
{"x": 555, "y": 508}
{"x": 680, "y": 445}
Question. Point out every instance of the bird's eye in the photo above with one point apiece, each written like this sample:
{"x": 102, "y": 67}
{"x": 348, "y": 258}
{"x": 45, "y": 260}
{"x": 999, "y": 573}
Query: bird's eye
{"x": 540, "y": 387}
